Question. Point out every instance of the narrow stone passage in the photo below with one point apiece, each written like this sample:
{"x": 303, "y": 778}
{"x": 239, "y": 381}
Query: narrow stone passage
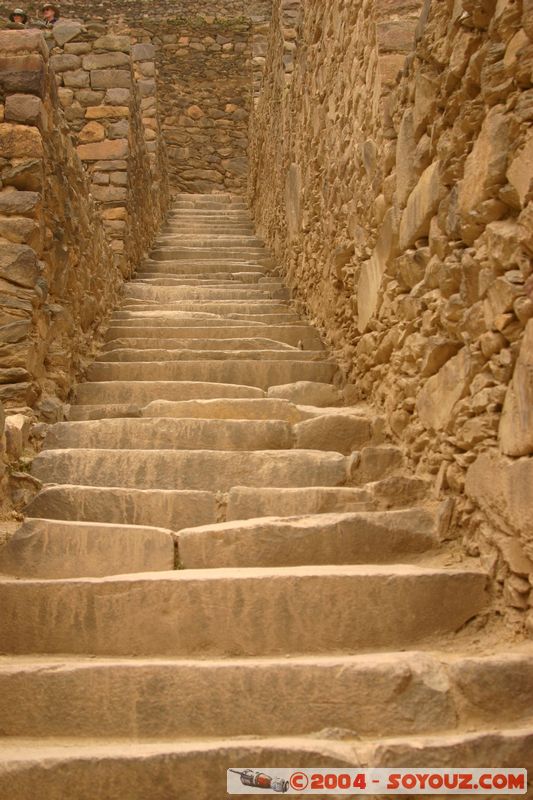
{"x": 229, "y": 565}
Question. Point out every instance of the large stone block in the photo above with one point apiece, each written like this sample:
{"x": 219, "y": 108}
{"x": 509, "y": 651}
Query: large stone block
{"x": 19, "y": 203}
{"x": 405, "y": 158}
{"x": 421, "y": 206}
{"x": 66, "y": 30}
{"x": 24, "y": 108}
{"x": 113, "y": 42}
{"x": 64, "y": 62}
{"x": 109, "y": 149}
{"x": 110, "y": 79}
{"x": 143, "y": 52}
{"x": 502, "y": 488}
{"x": 520, "y": 172}
{"x": 18, "y": 265}
{"x": 516, "y": 427}
{"x": 373, "y": 270}
{"x": 436, "y": 400}
{"x": 97, "y": 61}
{"x": 396, "y": 35}
{"x": 23, "y": 73}
{"x": 30, "y": 41}
{"x": 484, "y": 171}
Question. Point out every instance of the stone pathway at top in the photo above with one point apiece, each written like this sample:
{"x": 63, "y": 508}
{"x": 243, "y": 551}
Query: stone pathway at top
{"x": 229, "y": 567}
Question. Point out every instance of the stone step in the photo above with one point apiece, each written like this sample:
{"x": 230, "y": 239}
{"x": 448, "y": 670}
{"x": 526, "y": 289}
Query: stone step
{"x": 208, "y": 227}
{"x": 256, "y": 344}
{"x": 399, "y": 492}
{"x": 252, "y": 281}
{"x": 141, "y": 393}
{"x": 204, "y": 470}
{"x": 261, "y": 374}
{"x": 209, "y": 240}
{"x": 52, "y": 549}
{"x": 220, "y": 213}
{"x": 198, "y": 267}
{"x": 218, "y": 307}
{"x": 239, "y": 612}
{"x": 349, "y": 538}
{"x": 175, "y": 316}
{"x": 202, "y": 202}
{"x": 265, "y": 409}
{"x": 168, "y": 433}
{"x": 153, "y": 312}
{"x": 171, "y": 509}
{"x": 178, "y": 354}
{"x": 209, "y": 253}
{"x": 289, "y": 334}
{"x": 162, "y": 699}
{"x": 196, "y": 769}
{"x": 108, "y": 411}
{"x": 166, "y": 293}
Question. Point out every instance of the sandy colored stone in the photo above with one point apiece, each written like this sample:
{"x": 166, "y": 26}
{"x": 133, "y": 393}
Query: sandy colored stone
{"x": 436, "y": 401}
{"x": 164, "y": 606}
{"x": 20, "y": 141}
{"x": 108, "y": 149}
{"x": 356, "y": 538}
{"x": 516, "y": 426}
{"x": 53, "y": 549}
{"x": 92, "y": 132}
{"x": 502, "y": 488}
{"x": 106, "y": 112}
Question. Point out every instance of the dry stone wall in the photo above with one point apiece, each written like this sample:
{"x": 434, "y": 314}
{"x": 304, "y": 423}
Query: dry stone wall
{"x": 400, "y": 207}
{"x": 205, "y": 88}
{"x": 60, "y": 272}
{"x": 108, "y": 91}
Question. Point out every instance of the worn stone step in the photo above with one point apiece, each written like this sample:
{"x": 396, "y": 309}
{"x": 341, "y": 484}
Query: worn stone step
{"x": 171, "y": 509}
{"x": 199, "y": 201}
{"x": 208, "y": 240}
{"x": 349, "y": 538}
{"x": 166, "y": 294}
{"x": 205, "y": 470}
{"x": 220, "y": 212}
{"x": 235, "y": 280}
{"x": 78, "y": 413}
{"x": 246, "y": 503}
{"x": 141, "y": 393}
{"x": 256, "y": 344}
{"x": 198, "y": 267}
{"x": 193, "y": 227}
{"x": 178, "y": 354}
{"x": 176, "y": 697}
{"x": 168, "y": 433}
{"x": 293, "y": 335}
{"x": 219, "y": 307}
{"x": 257, "y": 255}
{"x": 262, "y": 374}
{"x": 50, "y": 549}
{"x": 175, "y": 315}
{"x": 197, "y": 769}
{"x": 265, "y": 409}
{"x": 239, "y": 612}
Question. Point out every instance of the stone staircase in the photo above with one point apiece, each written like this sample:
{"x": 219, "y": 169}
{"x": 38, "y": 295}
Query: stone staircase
{"x": 227, "y": 565}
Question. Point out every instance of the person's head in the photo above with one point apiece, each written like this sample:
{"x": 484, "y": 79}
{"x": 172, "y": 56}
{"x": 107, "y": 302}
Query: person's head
{"x": 19, "y": 16}
{"x": 50, "y": 12}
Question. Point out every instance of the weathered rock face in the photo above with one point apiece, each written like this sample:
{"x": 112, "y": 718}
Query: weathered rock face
{"x": 400, "y": 207}
{"x": 64, "y": 245}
